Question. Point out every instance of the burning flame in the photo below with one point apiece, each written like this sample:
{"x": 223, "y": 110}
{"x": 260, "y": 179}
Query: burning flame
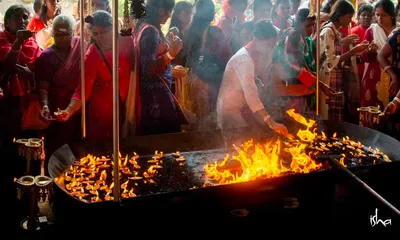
{"x": 304, "y": 135}
{"x": 103, "y": 175}
{"x": 126, "y": 161}
{"x": 260, "y": 161}
{"x": 255, "y": 161}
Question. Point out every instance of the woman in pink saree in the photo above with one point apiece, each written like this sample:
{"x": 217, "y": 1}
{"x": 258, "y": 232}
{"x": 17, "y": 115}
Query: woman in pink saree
{"x": 58, "y": 75}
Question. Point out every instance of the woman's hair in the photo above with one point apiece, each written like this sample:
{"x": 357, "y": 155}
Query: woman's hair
{"x": 264, "y": 30}
{"x": 302, "y": 16}
{"x": 152, "y": 7}
{"x": 327, "y": 7}
{"x": 340, "y": 9}
{"x": 388, "y": 7}
{"x": 10, "y": 11}
{"x": 43, "y": 13}
{"x": 203, "y": 16}
{"x": 274, "y": 12}
{"x": 364, "y": 8}
{"x": 66, "y": 20}
{"x": 99, "y": 18}
{"x": 178, "y": 9}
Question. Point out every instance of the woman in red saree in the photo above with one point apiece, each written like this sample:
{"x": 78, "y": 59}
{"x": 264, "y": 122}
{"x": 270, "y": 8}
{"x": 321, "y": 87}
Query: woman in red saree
{"x": 18, "y": 53}
{"x": 98, "y": 79}
{"x": 58, "y": 75}
{"x": 364, "y": 16}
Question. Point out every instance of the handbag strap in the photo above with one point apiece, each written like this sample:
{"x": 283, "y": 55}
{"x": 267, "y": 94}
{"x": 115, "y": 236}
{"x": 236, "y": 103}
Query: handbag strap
{"x": 203, "y": 42}
{"x": 169, "y": 90}
{"x": 103, "y": 57}
{"x": 166, "y": 85}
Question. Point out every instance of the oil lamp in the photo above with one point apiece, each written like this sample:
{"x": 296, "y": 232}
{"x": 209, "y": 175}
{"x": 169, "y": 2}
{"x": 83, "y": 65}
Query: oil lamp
{"x": 32, "y": 150}
{"x": 36, "y": 189}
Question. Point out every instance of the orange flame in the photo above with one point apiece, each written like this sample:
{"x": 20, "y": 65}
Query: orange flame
{"x": 304, "y": 135}
{"x": 126, "y": 160}
{"x": 131, "y": 193}
{"x": 103, "y": 175}
{"x": 255, "y": 161}
{"x": 260, "y": 161}
{"x": 125, "y": 185}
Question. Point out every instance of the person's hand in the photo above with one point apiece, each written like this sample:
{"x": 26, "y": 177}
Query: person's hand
{"x": 277, "y": 127}
{"x": 350, "y": 39}
{"x": 22, "y": 35}
{"x": 391, "y": 108}
{"x": 45, "y": 113}
{"x": 372, "y": 47}
{"x": 175, "y": 31}
{"x": 24, "y": 72}
{"x": 328, "y": 91}
{"x": 361, "y": 47}
{"x": 63, "y": 115}
{"x": 175, "y": 44}
{"x": 394, "y": 87}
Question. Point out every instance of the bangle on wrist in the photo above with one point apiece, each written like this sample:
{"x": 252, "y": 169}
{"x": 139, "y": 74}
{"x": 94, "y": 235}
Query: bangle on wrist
{"x": 386, "y": 68}
{"x": 397, "y": 100}
{"x": 169, "y": 56}
{"x": 70, "y": 109}
{"x": 393, "y": 103}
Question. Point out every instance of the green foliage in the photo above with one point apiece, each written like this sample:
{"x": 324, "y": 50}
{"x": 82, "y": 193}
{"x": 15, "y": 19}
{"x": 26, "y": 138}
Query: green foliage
{"x": 121, "y": 8}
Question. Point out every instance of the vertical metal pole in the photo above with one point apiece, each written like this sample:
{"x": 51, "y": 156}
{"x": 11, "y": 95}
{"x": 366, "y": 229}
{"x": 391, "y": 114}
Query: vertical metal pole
{"x": 115, "y": 100}
{"x": 82, "y": 42}
{"x": 318, "y": 14}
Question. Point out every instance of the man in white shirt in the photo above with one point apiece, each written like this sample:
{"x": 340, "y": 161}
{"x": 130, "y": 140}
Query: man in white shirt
{"x": 238, "y": 93}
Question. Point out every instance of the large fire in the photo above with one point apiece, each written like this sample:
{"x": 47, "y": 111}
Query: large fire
{"x": 257, "y": 161}
{"x": 91, "y": 179}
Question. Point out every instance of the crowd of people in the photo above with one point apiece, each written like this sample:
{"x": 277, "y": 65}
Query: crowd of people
{"x": 242, "y": 73}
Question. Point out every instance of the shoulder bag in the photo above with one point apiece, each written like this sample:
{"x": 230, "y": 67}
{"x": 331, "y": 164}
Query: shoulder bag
{"x": 208, "y": 67}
